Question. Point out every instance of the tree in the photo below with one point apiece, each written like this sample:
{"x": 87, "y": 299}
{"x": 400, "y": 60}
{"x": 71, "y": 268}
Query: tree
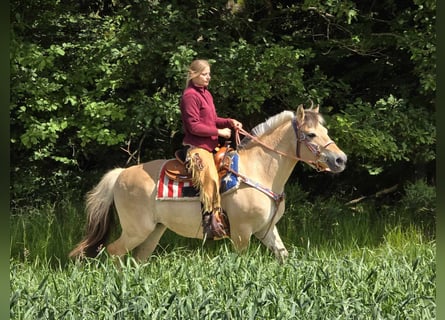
{"x": 97, "y": 84}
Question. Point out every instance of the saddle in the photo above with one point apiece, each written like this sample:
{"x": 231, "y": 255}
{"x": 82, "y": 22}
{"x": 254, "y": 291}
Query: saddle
{"x": 176, "y": 169}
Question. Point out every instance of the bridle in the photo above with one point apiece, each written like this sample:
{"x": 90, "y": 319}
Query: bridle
{"x": 314, "y": 148}
{"x": 301, "y": 138}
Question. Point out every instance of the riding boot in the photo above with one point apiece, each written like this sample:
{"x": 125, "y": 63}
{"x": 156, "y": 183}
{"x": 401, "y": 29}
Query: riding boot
{"x": 215, "y": 225}
{"x": 207, "y": 225}
{"x": 220, "y": 224}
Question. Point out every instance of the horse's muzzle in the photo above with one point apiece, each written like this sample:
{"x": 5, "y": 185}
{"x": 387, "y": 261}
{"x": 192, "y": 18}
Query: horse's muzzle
{"x": 336, "y": 162}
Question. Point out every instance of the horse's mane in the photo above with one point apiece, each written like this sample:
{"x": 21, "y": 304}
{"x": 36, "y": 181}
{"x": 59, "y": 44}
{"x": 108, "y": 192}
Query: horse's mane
{"x": 311, "y": 119}
{"x": 268, "y": 125}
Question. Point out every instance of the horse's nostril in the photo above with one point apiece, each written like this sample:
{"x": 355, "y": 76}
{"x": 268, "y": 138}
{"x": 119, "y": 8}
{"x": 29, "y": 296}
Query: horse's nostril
{"x": 341, "y": 160}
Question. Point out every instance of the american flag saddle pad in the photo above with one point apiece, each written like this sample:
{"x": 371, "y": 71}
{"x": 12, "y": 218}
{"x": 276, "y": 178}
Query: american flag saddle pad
{"x": 169, "y": 189}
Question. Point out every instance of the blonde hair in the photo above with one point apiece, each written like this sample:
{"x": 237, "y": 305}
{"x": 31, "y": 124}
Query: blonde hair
{"x": 195, "y": 69}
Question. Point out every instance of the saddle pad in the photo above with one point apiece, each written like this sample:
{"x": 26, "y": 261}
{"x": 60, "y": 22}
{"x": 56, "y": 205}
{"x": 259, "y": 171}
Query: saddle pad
{"x": 230, "y": 181}
{"x": 168, "y": 189}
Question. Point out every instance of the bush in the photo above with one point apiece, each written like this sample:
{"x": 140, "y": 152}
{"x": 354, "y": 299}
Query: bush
{"x": 419, "y": 202}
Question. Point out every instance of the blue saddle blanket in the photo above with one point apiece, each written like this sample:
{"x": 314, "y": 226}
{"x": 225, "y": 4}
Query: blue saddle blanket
{"x": 230, "y": 180}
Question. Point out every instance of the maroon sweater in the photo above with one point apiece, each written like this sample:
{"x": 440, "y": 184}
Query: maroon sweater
{"x": 199, "y": 118}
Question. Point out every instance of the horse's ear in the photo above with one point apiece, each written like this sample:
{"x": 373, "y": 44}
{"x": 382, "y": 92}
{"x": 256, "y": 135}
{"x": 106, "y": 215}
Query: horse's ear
{"x": 316, "y": 108}
{"x": 300, "y": 114}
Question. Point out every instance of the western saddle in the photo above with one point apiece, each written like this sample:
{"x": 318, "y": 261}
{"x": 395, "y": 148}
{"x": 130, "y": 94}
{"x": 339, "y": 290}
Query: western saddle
{"x": 176, "y": 169}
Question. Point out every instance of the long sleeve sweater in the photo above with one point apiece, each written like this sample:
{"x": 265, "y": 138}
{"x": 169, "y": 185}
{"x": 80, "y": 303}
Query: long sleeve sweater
{"x": 199, "y": 118}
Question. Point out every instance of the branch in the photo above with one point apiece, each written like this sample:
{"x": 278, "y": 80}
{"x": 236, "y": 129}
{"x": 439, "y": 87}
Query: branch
{"x": 323, "y": 14}
{"x": 375, "y": 195}
{"x": 140, "y": 147}
{"x": 137, "y": 151}
{"x": 129, "y": 152}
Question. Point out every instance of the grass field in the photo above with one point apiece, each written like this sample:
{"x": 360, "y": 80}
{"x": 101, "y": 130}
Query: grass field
{"x": 389, "y": 282}
{"x": 343, "y": 264}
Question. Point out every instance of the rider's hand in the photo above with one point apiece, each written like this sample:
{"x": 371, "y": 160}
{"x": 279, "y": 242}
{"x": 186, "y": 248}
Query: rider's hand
{"x": 225, "y": 133}
{"x": 236, "y": 124}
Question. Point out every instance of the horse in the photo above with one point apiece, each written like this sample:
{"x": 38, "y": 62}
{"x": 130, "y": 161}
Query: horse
{"x": 266, "y": 158}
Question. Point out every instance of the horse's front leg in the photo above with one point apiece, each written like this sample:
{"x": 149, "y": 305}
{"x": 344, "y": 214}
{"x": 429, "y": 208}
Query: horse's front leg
{"x": 273, "y": 241}
{"x": 240, "y": 238}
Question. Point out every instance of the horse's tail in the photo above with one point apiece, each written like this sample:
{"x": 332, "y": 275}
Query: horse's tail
{"x": 98, "y": 202}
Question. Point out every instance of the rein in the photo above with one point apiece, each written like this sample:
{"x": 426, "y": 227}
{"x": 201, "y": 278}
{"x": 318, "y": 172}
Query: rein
{"x": 301, "y": 137}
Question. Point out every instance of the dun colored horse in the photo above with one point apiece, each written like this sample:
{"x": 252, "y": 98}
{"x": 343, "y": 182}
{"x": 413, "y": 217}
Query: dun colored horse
{"x": 266, "y": 158}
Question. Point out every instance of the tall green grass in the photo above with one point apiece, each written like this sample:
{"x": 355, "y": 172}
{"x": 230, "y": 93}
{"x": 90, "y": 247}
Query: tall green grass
{"x": 346, "y": 262}
{"x": 50, "y": 231}
{"x": 383, "y": 283}
{"x": 46, "y": 232}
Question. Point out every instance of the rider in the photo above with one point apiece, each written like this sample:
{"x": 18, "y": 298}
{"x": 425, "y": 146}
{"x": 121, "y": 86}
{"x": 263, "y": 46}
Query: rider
{"x": 202, "y": 126}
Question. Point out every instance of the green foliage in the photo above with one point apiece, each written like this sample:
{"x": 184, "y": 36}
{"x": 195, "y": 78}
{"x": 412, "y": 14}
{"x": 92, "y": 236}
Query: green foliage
{"x": 60, "y": 186}
{"x": 420, "y": 41}
{"x": 51, "y": 229}
{"x": 385, "y": 133}
{"x": 343, "y": 260}
{"x": 95, "y": 82}
{"x": 42, "y": 230}
{"x": 59, "y": 99}
{"x": 89, "y": 79}
{"x": 361, "y": 283}
{"x": 328, "y": 221}
{"x": 419, "y": 202}
{"x": 251, "y": 76}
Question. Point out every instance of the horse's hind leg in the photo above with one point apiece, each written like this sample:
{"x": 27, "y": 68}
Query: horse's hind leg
{"x": 134, "y": 232}
{"x": 125, "y": 243}
{"x": 146, "y": 248}
{"x": 272, "y": 240}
